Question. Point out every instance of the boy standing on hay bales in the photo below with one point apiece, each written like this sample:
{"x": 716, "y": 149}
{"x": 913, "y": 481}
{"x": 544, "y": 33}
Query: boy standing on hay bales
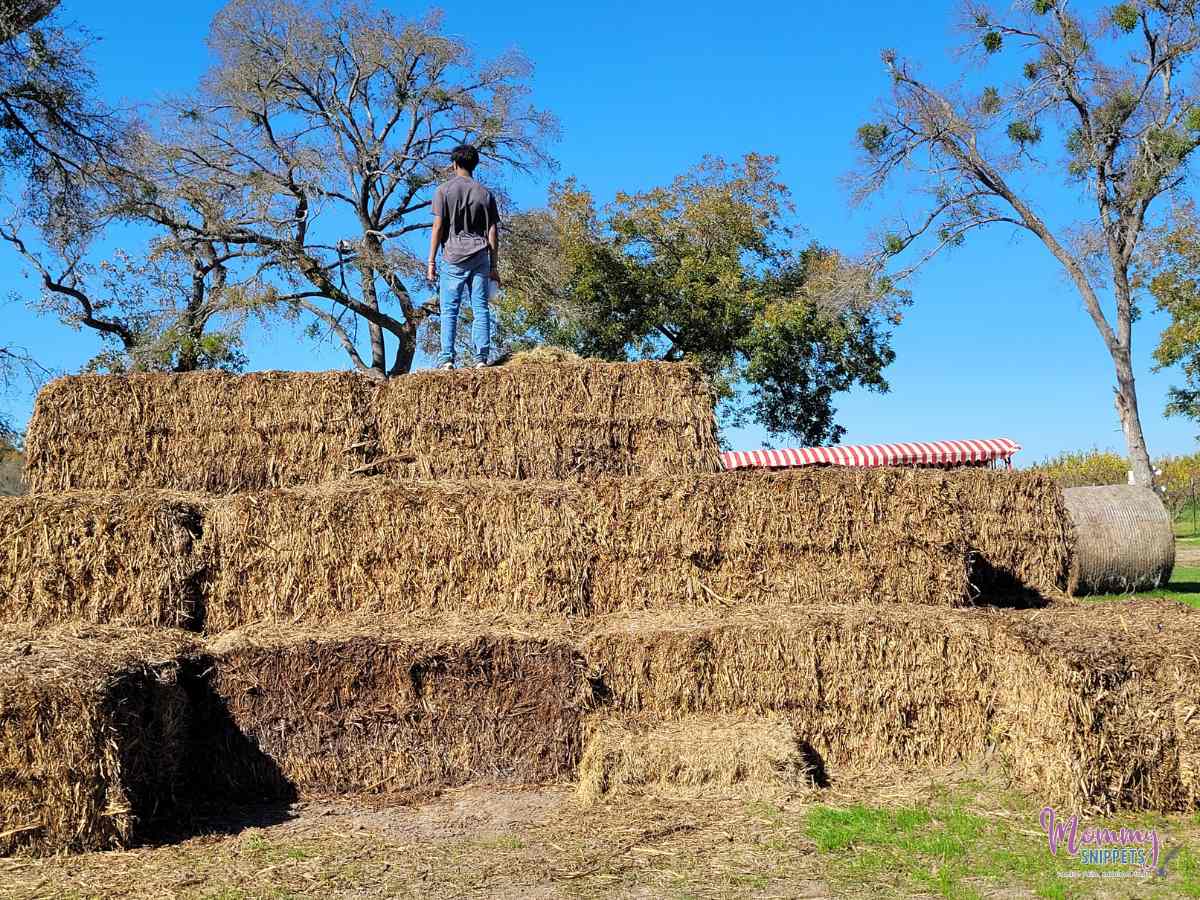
{"x": 466, "y": 228}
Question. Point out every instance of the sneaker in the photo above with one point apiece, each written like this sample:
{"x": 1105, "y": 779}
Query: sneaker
{"x": 446, "y": 367}
{"x": 497, "y": 359}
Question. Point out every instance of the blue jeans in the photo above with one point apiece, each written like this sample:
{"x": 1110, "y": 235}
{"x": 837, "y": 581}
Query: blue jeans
{"x": 466, "y": 279}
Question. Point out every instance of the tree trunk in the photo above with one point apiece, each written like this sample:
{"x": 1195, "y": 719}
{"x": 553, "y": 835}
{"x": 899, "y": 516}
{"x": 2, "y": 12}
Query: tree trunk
{"x": 188, "y": 354}
{"x": 1131, "y": 423}
{"x": 405, "y": 353}
{"x": 371, "y": 299}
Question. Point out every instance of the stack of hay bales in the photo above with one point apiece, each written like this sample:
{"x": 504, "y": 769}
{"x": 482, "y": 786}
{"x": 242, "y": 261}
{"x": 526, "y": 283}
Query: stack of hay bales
{"x": 1088, "y": 708}
{"x": 216, "y": 433}
{"x": 314, "y": 584}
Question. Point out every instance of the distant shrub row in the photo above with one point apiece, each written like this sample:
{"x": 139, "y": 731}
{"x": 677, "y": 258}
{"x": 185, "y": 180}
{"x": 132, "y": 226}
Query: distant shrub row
{"x": 1176, "y": 477}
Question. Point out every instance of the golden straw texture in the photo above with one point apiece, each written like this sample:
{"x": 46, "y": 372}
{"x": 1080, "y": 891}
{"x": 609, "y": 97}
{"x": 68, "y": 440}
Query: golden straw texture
{"x": 94, "y": 736}
{"x": 217, "y": 433}
{"x": 125, "y": 558}
{"x": 205, "y": 432}
{"x": 756, "y": 755}
{"x": 357, "y": 551}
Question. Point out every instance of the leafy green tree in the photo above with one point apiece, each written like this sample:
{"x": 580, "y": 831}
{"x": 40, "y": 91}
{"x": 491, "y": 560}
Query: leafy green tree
{"x": 51, "y": 126}
{"x": 1116, "y": 89}
{"x": 1175, "y": 284}
{"x": 704, "y": 269}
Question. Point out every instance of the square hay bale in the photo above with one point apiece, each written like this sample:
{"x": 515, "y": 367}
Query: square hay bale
{"x": 753, "y": 756}
{"x": 1100, "y": 705}
{"x": 1092, "y": 707}
{"x": 360, "y": 550}
{"x": 386, "y": 710}
{"x": 1018, "y": 528}
{"x": 94, "y": 736}
{"x": 207, "y": 432}
{"x": 215, "y": 433}
{"x": 578, "y": 418}
{"x": 124, "y": 558}
{"x": 861, "y": 686}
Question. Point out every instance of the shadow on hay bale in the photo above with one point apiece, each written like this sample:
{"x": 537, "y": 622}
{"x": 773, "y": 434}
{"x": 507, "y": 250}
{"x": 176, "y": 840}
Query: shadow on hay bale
{"x": 1124, "y": 541}
{"x": 399, "y": 710}
{"x": 98, "y": 739}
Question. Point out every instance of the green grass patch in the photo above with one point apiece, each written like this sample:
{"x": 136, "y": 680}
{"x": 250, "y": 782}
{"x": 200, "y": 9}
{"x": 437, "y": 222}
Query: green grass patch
{"x": 500, "y": 842}
{"x": 1184, "y": 587}
{"x": 1187, "y": 523}
{"x": 948, "y": 850}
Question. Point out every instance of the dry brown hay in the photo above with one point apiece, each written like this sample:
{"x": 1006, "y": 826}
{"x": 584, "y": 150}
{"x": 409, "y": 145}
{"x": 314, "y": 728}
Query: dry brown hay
{"x": 1101, "y": 705}
{"x": 94, "y": 732}
{"x": 1017, "y": 525}
{"x": 205, "y": 432}
{"x": 123, "y": 558}
{"x": 1088, "y": 706}
{"x": 544, "y": 355}
{"x": 542, "y": 420}
{"x": 384, "y": 710}
{"x": 217, "y": 433}
{"x": 1124, "y": 540}
{"x": 367, "y": 549}
{"x": 755, "y": 756}
{"x": 863, "y": 686}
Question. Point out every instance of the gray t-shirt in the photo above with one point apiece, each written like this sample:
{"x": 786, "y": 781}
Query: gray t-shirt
{"x": 469, "y": 210}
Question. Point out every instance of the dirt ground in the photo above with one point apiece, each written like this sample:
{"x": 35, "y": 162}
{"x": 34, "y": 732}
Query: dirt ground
{"x": 933, "y": 834}
{"x": 523, "y": 843}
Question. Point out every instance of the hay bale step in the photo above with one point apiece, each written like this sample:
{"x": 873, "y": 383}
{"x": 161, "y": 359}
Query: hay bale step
{"x": 361, "y": 550}
{"x": 754, "y": 756}
{"x": 206, "y": 432}
{"x": 391, "y": 710}
{"x": 215, "y": 433}
{"x": 1092, "y": 707}
{"x": 94, "y": 737}
{"x": 580, "y": 549}
{"x": 1124, "y": 540}
{"x": 100, "y": 557}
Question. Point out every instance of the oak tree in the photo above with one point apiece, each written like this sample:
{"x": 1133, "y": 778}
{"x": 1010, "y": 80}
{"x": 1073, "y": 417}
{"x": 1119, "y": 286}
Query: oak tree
{"x": 707, "y": 269}
{"x": 322, "y": 133}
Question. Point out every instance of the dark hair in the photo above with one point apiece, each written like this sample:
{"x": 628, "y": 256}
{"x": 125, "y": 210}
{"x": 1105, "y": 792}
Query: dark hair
{"x": 465, "y": 157}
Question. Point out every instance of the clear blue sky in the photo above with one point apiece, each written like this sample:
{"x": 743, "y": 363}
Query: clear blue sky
{"x": 996, "y": 343}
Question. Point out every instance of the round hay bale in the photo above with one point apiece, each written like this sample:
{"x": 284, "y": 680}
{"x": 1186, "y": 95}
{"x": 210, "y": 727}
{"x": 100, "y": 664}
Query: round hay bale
{"x": 1124, "y": 541}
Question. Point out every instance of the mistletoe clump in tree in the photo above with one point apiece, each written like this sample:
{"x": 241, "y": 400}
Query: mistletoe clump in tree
{"x": 1107, "y": 98}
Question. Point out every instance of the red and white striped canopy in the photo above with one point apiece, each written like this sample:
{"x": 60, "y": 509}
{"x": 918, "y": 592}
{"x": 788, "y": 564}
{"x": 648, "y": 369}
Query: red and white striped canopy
{"x": 913, "y": 453}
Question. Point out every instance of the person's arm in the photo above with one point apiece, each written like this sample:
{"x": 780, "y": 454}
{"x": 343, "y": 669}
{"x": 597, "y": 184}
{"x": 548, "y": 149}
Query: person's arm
{"x": 493, "y": 239}
{"x": 438, "y": 208}
{"x": 435, "y": 241}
